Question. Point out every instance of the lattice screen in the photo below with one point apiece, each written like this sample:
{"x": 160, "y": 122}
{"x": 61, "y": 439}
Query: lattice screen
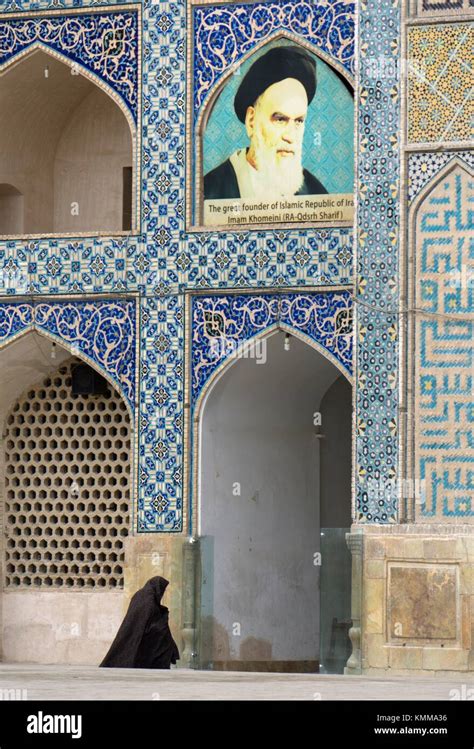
{"x": 67, "y": 486}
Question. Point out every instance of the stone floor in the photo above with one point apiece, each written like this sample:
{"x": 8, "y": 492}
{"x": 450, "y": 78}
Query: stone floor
{"x": 93, "y": 683}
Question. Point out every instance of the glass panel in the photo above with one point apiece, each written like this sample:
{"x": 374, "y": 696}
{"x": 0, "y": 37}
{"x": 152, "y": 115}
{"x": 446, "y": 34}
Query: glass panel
{"x": 204, "y": 620}
{"x": 335, "y": 599}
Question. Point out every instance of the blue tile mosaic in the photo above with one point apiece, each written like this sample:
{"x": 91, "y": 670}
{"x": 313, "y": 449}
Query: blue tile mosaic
{"x": 106, "y": 44}
{"x": 162, "y": 260}
{"x": 101, "y": 331}
{"x": 443, "y": 248}
{"x": 377, "y": 287}
{"x": 230, "y": 321}
{"x": 223, "y": 35}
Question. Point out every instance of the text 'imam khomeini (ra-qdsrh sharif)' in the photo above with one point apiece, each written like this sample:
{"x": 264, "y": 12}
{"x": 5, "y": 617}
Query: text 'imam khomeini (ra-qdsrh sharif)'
{"x": 236, "y": 331}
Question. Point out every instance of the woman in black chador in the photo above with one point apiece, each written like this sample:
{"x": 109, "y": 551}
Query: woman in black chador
{"x": 144, "y": 638}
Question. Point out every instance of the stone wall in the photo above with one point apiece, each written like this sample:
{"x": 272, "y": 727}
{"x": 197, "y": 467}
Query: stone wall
{"x": 148, "y": 555}
{"x": 418, "y": 600}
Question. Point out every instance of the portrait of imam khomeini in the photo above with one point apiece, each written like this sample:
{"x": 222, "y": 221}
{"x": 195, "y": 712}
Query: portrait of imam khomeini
{"x": 272, "y": 101}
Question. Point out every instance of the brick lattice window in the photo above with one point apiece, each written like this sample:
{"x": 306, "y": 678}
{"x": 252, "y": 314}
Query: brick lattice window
{"x": 67, "y": 487}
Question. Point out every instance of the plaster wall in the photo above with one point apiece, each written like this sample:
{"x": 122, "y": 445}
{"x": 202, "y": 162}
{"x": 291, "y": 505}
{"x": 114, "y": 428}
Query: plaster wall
{"x": 63, "y": 141}
{"x": 260, "y": 508}
{"x": 93, "y": 148}
{"x": 60, "y": 627}
{"x": 11, "y": 210}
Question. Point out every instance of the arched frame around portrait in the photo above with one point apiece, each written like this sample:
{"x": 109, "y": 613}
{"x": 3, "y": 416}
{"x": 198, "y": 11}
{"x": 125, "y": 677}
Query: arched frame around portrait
{"x": 198, "y": 158}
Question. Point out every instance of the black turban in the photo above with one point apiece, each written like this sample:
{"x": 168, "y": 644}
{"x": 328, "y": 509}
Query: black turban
{"x": 275, "y": 65}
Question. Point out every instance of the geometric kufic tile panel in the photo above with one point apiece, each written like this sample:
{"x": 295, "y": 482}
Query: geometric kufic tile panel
{"x": 422, "y": 167}
{"x": 67, "y": 487}
{"x": 444, "y": 347}
{"x": 440, "y": 92}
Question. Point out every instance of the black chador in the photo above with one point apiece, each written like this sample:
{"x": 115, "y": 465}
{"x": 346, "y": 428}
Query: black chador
{"x": 144, "y": 639}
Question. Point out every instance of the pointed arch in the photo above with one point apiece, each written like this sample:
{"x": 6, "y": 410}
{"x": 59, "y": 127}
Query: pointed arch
{"x": 74, "y": 351}
{"x": 281, "y": 34}
{"x": 21, "y": 56}
{"x": 442, "y": 173}
{"x": 260, "y": 496}
{"x": 59, "y": 153}
{"x": 195, "y": 146}
{"x": 260, "y": 336}
{"x": 192, "y": 505}
{"x": 84, "y": 322}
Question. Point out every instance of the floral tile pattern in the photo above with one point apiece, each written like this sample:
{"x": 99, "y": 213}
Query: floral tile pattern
{"x": 102, "y": 331}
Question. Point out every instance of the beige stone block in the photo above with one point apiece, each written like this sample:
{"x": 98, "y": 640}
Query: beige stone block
{"x": 30, "y": 643}
{"x": 376, "y": 672}
{"x": 405, "y": 657}
{"x": 445, "y": 659}
{"x": 373, "y": 605}
{"x": 410, "y": 673}
{"x": 421, "y": 601}
{"x": 376, "y": 651}
{"x": 375, "y": 568}
{"x": 464, "y": 685}
{"x": 154, "y": 554}
{"x": 91, "y": 652}
{"x": 402, "y": 547}
{"x": 374, "y": 548}
{"x": 466, "y": 579}
{"x": 468, "y": 542}
{"x": 466, "y": 622}
{"x": 446, "y": 549}
{"x": 60, "y": 626}
{"x": 104, "y": 620}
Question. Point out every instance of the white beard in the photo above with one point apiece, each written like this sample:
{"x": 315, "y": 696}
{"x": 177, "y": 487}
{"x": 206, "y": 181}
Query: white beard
{"x": 273, "y": 177}
{"x": 276, "y": 176}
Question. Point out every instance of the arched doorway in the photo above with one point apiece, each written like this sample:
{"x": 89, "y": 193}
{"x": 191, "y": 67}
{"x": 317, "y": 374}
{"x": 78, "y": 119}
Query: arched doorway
{"x": 65, "y": 506}
{"x": 67, "y": 147}
{"x": 269, "y": 502}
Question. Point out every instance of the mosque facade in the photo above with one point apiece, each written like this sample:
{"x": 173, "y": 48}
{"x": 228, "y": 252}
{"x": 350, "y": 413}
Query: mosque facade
{"x": 264, "y": 397}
